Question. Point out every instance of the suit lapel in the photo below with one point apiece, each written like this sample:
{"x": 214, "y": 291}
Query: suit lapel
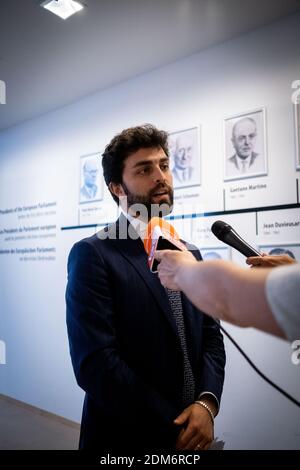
{"x": 234, "y": 161}
{"x": 133, "y": 251}
{"x": 253, "y": 157}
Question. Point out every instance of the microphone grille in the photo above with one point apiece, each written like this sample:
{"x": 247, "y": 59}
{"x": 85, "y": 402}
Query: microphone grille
{"x": 219, "y": 227}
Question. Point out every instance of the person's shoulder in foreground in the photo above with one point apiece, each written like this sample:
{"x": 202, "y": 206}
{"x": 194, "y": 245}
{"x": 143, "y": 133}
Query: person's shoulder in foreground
{"x": 283, "y": 294}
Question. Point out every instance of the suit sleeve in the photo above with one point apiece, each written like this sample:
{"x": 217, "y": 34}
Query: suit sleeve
{"x": 213, "y": 359}
{"x": 213, "y": 352}
{"x": 99, "y": 368}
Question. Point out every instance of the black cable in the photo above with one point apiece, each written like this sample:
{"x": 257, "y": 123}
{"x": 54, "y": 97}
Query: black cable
{"x": 280, "y": 390}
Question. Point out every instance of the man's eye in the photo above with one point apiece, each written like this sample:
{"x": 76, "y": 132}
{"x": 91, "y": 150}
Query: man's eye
{"x": 144, "y": 171}
{"x": 165, "y": 166}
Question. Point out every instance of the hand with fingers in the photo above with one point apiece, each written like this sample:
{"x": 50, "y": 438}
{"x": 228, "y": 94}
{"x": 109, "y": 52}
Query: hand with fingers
{"x": 269, "y": 261}
{"x": 173, "y": 265}
{"x": 197, "y": 431}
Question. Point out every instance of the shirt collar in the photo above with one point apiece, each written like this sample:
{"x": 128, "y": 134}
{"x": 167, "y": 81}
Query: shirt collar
{"x": 139, "y": 225}
{"x": 245, "y": 160}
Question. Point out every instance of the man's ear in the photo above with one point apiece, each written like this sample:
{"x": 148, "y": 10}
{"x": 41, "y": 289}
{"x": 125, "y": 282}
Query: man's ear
{"x": 116, "y": 189}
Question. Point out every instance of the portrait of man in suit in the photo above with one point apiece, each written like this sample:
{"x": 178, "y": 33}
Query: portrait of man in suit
{"x": 150, "y": 363}
{"x": 185, "y": 158}
{"x": 91, "y": 186}
{"x": 245, "y": 136}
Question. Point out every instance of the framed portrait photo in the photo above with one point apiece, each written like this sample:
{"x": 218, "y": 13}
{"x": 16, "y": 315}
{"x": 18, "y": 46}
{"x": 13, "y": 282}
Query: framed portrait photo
{"x": 245, "y": 145}
{"x": 91, "y": 179}
{"x": 297, "y": 134}
{"x": 185, "y": 158}
{"x": 291, "y": 249}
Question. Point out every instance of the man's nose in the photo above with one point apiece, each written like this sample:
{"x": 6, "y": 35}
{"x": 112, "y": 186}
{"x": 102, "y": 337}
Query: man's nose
{"x": 159, "y": 175}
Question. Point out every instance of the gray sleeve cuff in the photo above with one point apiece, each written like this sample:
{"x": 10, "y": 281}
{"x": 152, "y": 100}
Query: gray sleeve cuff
{"x": 283, "y": 296}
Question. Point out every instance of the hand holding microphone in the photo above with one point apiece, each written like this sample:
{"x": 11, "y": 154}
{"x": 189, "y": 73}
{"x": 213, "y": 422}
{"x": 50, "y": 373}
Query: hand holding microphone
{"x": 220, "y": 287}
{"x": 172, "y": 265}
{"x": 160, "y": 235}
{"x": 269, "y": 261}
{"x": 167, "y": 255}
{"x": 175, "y": 268}
{"x": 228, "y": 235}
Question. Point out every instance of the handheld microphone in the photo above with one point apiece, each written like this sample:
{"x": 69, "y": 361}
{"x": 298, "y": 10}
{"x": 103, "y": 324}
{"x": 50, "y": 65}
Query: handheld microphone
{"x": 228, "y": 235}
{"x": 160, "y": 235}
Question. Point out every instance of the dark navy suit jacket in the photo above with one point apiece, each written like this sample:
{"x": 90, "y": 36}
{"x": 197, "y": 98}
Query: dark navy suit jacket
{"x": 125, "y": 348}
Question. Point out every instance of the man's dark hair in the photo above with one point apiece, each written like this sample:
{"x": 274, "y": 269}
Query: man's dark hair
{"x": 125, "y": 144}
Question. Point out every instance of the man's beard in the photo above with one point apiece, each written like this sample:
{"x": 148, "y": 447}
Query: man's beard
{"x": 143, "y": 205}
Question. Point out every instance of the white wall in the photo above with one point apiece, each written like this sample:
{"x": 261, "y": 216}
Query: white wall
{"x": 39, "y": 162}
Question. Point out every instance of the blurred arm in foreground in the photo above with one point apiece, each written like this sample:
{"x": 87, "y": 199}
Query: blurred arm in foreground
{"x": 267, "y": 299}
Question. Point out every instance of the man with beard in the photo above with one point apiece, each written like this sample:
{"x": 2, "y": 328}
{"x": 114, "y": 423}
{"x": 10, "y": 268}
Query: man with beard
{"x": 151, "y": 364}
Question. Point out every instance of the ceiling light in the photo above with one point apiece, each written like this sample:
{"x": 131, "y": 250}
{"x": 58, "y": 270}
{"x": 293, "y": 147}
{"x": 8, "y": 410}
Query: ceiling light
{"x": 62, "y": 8}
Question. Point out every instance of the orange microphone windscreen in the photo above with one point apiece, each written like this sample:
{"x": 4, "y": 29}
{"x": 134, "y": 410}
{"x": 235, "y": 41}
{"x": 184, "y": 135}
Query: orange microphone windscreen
{"x": 165, "y": 228}
{"x": 160, "y": 235}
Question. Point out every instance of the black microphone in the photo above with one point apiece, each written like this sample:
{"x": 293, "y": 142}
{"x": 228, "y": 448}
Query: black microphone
{"x": 228, "y": 235}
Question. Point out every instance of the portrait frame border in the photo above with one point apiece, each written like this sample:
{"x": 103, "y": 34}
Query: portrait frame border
{"x": 102, "y": 182}
{"x": 199, "y": 149}
{"x": 262, "y": 109}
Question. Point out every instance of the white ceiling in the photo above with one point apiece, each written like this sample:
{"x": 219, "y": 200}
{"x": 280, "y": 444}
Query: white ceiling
{"x": 47, "y": 62}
